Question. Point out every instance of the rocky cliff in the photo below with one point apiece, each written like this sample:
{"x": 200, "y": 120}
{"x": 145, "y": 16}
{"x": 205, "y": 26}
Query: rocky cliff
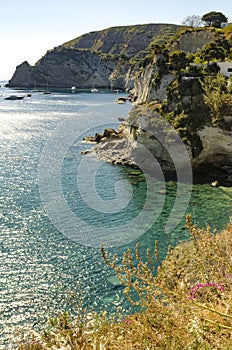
{"x": 148, "y": 141}
{"x": 107, "y": 58}
{"x": 97, "y": 59}
{"x": 63, "y": 67}
{"x": 124, "y": 40}
{"x": 179, "y": 108}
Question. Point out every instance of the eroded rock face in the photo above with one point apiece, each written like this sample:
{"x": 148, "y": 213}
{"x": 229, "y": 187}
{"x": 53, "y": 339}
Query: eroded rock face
{"x": 101, "y": 59}
{"x": 147, "y": 87}
{"x": 192, "y": 42}
{"x": 65, "y": 68}
{"x": 217, "y": 147}
{"x": 23, "y": 76}
{"x": 144, "y": 132}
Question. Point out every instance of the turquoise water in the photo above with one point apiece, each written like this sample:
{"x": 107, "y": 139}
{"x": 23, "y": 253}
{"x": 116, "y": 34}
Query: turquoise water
{"x": 45, "y": 249}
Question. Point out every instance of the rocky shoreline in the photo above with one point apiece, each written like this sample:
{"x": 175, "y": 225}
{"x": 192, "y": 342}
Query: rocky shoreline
{"x": 213, "y": 165}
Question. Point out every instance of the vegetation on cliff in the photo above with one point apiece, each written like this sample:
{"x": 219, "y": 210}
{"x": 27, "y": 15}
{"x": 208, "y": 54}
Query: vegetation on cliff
{"x": 91, "y": 59}
{"x": 195, "y": 94}
{"x": 187, "y": 305}
{"x": 123, "y": 40}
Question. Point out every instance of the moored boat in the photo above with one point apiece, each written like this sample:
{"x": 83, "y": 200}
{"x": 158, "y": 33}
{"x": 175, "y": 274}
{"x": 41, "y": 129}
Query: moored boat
{"x": 14, "y": 97}
{"x": 94, "y": 90}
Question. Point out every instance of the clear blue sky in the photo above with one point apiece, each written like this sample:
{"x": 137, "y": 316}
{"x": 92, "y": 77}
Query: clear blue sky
{"x": 29, "y": 28}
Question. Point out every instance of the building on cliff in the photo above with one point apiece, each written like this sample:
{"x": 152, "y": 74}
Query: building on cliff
{"x": 225, "y": 68}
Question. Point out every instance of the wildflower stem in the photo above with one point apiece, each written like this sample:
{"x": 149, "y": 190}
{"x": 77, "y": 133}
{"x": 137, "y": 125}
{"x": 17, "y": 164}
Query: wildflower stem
{"x": 212, "y": 310}
{"x": 216, "y": 323}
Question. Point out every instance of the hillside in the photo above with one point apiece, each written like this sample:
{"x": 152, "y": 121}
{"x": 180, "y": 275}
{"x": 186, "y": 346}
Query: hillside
{"x": 126, "y": 40}
{"x": 111, "y": 58}
{"x": 92, "y": 58}
{"x": 174, "y": 96}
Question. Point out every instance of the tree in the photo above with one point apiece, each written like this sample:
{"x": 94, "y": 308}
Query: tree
{"x": 178, "y": 60}
{"x": 214, "y": 19}
{"x": 212, "y": 51}
{"x": 217, "y": 97}
{"x": 193, "y": 21}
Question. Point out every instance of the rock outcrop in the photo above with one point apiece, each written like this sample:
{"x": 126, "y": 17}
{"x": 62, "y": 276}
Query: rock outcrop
{"x": 146, "y": 138}
{"x": 123, "y": 40}
{"x": 64, "y": 67}
{"x": 194, "y": 41}
{"x": 106, "y": 59}
{"x": 97, "y": 59}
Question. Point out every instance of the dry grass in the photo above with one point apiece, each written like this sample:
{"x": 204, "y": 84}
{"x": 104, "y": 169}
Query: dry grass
{"x": 186, "y": 306}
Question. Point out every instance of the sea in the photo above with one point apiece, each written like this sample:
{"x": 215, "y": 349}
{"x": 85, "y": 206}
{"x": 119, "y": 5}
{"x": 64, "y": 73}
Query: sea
{"x": 58, "y": 205}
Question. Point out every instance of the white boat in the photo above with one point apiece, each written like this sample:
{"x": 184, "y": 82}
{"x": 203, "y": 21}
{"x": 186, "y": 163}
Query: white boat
{"x": 94, "y": 90}
{"x": 73, "y": 88}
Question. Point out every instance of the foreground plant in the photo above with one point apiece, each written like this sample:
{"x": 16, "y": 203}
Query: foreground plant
{"x": 185, "y": 303}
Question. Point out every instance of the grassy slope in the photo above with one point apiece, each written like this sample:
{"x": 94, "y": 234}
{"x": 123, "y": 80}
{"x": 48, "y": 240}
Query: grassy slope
{"x": 127, "y": 40}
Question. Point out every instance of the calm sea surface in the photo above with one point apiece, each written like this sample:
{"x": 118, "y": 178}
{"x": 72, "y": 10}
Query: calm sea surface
{"x": 57, "y": 205}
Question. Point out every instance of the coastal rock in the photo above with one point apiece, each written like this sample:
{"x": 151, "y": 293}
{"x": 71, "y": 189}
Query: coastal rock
{"x": 98, "y": 59}
{"x": 137, "y": 134}
{"x": 137, "y": 146}
{"x": 108, "y": 133}
{"x": 120, "y": 151}
{"x": 217, "y": 146}
{"x": 23, "y": 76}
{"x": 104, "y": 59}
{"x": 63, "y": 67}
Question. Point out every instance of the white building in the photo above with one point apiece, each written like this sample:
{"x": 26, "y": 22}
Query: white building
{"x": 225, "y": 68}
{"x": 224, "y": 24}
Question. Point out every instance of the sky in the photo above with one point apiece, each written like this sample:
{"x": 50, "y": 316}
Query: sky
{"x": 29, "y": 28}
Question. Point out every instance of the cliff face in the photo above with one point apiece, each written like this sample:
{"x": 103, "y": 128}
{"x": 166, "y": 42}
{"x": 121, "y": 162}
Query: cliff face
{"x": 193, "y": 41}
{"x": 97, "y": 59}
{"x": 147, "y": 141}
{"x": 65, "y": 68}
{"x": 170, "y": 101}
{"x": 107, "y": 58}
{"x": 123, "y": 40}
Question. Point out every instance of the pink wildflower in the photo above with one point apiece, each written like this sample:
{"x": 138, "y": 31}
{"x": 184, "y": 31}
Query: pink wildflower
{"x": 127, "y": 321}
{"x": 197, "y": 290}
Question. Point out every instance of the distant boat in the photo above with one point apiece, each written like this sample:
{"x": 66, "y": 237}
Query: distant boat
{"x": 94, "y": 90}
{"x": 121, "y": 100}
{"x": 73, "y": 88}
{"x": 14, "y": 97}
